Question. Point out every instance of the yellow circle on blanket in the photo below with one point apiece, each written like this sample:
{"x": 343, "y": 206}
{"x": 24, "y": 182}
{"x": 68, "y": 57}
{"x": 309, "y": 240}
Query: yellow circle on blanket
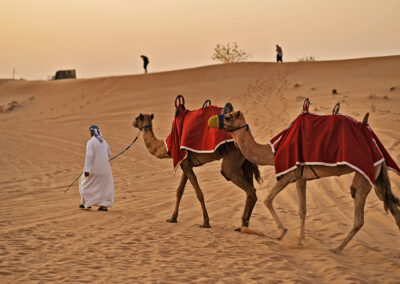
{"x": 213, "y": 121}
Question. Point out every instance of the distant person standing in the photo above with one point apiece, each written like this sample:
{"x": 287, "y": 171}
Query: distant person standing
{"x": 279, "y": 53}
{"x": 97, "y": 185}
{"x": 145, "y": 62}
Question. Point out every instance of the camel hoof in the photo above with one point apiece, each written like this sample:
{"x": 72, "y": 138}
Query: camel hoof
{"x": 336, "y": 250}
{"x": 302, "y": 242}
{"x": 238, "y": 229}
{"x": 282, "y": 235}
{"x": 205, "y": 226}
{"x": 172, "y": 220}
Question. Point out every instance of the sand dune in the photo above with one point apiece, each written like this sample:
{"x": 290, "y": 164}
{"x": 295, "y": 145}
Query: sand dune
{"x": 44, "y": 237}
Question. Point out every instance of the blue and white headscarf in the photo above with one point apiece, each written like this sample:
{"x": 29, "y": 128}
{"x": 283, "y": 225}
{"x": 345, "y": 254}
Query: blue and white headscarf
{"x": 96, "y": 132}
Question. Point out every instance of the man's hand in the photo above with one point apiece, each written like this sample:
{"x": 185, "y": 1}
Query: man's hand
{"x": 86, "y": 174}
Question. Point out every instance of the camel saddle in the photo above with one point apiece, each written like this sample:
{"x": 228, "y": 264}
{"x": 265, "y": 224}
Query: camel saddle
{"x": 190, "y": 131}
{"x": 329, "y": 140}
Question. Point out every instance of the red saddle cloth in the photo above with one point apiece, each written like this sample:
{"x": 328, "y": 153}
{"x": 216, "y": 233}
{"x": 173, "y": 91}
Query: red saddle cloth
{"x": 190, "y": 132}
{"x": 329, "y": 140}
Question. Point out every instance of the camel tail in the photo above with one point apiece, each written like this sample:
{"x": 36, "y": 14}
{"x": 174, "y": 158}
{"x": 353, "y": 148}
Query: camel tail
{"x": 249, "y": 170}
{"x": 384, "y": 191}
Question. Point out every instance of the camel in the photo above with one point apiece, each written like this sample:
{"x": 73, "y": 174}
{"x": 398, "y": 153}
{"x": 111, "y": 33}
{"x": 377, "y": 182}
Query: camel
{"x": 234, "y": 168}
{"x": 259, "y": 154}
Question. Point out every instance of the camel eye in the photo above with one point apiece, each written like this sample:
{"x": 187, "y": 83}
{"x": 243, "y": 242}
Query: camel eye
{"x": 227, "y": 118}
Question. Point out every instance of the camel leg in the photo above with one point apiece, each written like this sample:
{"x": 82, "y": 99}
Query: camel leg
{"x": 179, "y": 193}
{"x": 278, "y": 187}
{"x": 188, "y": 171}
{"x": 301, "y": 193}
{"x": 231, "y": 170}
{"x": 362, "y": 189}
{"x": 251, "y": 199}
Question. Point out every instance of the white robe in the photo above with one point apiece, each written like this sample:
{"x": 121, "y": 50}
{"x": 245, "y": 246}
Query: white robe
{"x": 98, "y": 187}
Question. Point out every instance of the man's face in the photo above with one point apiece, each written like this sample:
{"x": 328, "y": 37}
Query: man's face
{"x": 91, "y": 133}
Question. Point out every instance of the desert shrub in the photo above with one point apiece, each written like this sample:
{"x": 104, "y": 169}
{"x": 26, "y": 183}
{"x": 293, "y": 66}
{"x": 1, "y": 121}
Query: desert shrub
{"x": 307, "y": 58}
{"x": 228, "y": 53}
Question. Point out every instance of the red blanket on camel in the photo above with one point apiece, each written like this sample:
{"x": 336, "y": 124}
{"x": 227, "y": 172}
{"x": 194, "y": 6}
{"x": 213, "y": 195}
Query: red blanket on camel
{"x": 190, "y": 132}
{"x": 329, "y": 140}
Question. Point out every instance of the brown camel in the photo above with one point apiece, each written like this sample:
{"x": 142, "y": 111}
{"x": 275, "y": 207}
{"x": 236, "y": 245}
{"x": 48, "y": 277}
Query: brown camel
{"x": 235, "y": 123}
{"x": 234, "y": 168}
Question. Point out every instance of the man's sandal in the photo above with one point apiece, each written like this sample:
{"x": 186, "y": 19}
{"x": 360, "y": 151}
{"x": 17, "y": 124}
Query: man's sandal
{"x": 82, "y": 206}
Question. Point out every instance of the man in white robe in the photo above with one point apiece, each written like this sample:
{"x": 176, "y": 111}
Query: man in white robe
{"x": 97, "y": 186}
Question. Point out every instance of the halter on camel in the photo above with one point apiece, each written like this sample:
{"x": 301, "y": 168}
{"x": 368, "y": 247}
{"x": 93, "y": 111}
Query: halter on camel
{"x": 217, "y": 121}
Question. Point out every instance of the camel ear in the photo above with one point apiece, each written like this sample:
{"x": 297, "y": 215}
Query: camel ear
{"x": 238, "y": 114}
{"x": 141, "y": 116}
{"x": 152, "y": 116}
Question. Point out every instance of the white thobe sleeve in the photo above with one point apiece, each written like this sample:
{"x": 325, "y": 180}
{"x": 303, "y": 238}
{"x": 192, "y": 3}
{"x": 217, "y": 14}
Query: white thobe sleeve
{"x": 108, "y": 150}
{"x": 89, "y": 157}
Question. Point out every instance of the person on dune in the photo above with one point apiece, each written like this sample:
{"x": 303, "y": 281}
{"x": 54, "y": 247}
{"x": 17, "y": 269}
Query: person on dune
{"x": 279, "y": 53}
{"x": 145, "y": 62}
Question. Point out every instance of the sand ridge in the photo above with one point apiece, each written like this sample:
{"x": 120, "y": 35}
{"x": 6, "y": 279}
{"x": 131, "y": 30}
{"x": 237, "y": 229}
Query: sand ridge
{"x": 45, "y": 238}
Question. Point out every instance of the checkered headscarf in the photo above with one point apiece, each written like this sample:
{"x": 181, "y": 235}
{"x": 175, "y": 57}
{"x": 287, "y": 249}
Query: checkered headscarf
{"x": 96, "y": 132}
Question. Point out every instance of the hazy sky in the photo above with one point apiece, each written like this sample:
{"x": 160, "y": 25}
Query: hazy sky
{"x": 107, "y": 37}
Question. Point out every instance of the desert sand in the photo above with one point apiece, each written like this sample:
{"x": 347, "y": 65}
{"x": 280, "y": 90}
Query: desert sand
{"x": 44, "y": 237}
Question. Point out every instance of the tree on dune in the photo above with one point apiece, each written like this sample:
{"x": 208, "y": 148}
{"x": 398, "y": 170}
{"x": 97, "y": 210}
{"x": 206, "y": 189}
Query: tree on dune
{"x": 228, "y": 53}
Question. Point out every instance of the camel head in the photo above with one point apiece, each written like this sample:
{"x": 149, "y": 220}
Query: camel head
{"x": 234, "y": 120}
{"x": 143, "y": 121}
{"x": 229, "y": 122}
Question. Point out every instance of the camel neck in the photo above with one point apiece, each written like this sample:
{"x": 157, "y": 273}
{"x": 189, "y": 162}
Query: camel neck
{"x": 155, "y": 146}
{"x": 256, "y": 153}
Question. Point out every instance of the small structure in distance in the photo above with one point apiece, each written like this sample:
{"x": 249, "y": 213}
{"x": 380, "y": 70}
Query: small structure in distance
{"x": 65, "y": 74}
